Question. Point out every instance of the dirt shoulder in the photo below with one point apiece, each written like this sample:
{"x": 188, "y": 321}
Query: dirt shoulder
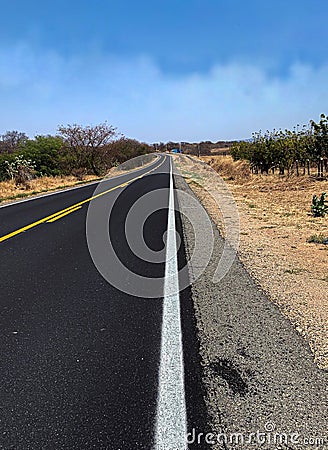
{"x": 275, "y": 226}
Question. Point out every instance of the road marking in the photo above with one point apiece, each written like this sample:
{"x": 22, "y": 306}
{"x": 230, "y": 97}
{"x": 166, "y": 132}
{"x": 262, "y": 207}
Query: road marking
{"x": 76, "y": 206}
{"x": 171, "y": 420}
{"x": 63, "y": 214}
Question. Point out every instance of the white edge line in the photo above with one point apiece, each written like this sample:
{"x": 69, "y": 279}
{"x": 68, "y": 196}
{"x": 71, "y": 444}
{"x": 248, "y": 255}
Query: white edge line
{"x": 36, "y": 197}
{"x": 171, "y": 419}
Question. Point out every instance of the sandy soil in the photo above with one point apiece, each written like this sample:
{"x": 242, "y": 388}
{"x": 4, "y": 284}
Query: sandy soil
{"x": 275, "y": 226}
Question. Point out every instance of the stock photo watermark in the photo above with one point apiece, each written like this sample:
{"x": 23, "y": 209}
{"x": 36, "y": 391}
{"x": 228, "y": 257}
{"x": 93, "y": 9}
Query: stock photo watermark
{"x": 269, "y": 436}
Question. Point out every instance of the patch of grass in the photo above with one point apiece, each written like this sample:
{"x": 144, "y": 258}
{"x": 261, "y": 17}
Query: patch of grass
{"x": 294, "y": 271}
{"x": 251, "y": 205}
{"x": 195, "y": 183}
{"x": 21, "y": 195}
{"x": 318, "y": 239}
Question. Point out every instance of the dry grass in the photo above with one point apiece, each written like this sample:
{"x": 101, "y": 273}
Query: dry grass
{"x": 9, "y": 191}
{"x": 276, "y": 224}
{"x": 228, "y": 169}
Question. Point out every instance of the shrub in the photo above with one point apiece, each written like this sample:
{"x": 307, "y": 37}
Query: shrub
{"x": 79, "y": 173}
{"x": 318, "y": 239}
{"x": 45, "y": 151}
{"x": 4, "y": 160}
{"x": 319, "y": 207}
{"x": 21, "y": 170}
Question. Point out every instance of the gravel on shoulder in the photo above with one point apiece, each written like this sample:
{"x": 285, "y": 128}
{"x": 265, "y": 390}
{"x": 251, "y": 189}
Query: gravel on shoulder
{"x": 263, "y": 388}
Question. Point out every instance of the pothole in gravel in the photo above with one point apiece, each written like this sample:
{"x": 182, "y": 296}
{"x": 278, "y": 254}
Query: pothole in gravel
{"x": 224, "y": 369}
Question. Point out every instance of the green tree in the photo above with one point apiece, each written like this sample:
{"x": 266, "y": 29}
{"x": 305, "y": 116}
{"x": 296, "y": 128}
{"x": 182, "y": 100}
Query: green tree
{"x": 123, "y": 149}
{"x": 320, "y": 136}
{"x": 46, "y": 153}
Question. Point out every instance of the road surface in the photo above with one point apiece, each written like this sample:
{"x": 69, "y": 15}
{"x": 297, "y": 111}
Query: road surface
{"x": 80, "y": 359}
{"x": 120, "y": 360}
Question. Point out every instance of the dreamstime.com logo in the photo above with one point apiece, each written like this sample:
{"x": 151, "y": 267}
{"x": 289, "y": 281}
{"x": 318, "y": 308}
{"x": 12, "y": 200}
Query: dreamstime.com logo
{"x": 269, "y": 436}
{"x": 109, "y": 263}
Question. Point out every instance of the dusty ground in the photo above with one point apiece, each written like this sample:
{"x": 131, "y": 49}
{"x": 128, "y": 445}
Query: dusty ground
{"x": 275, "y": 225}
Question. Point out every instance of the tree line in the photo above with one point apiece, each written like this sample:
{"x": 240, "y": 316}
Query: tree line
{"x": 286, "y": 150}
{"x": 201, "y": 148}
{"x": 75, "y": 150}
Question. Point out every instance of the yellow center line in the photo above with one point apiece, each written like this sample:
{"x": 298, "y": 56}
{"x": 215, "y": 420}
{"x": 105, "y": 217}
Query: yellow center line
{"x": 64, "y": 212}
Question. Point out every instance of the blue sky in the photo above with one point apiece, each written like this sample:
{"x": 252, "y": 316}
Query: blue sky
{"x": 181, "y": 70}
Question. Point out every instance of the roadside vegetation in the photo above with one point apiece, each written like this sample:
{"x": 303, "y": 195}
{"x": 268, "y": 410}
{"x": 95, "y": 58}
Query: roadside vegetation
{"x": 301, "y": 151}
{"x": 80, "y": 153}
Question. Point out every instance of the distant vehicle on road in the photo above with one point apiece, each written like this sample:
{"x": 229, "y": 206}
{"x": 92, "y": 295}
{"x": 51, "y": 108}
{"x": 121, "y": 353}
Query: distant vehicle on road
{"x": 176, "y": 150}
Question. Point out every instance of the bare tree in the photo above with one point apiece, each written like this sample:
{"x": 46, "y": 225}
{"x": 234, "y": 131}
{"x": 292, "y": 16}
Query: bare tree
{"x": 86, "y": 144}
{"x": 11, "y": 141}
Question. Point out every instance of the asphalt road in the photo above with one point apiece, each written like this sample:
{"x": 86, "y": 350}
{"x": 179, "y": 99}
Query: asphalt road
{"x": 125, "y": 362}
{"x": 79, "y": 358}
